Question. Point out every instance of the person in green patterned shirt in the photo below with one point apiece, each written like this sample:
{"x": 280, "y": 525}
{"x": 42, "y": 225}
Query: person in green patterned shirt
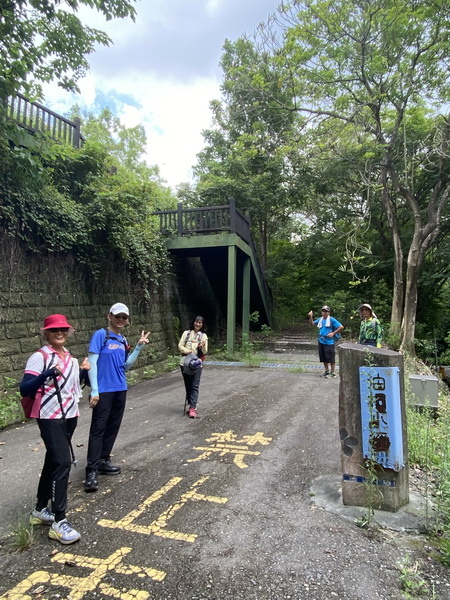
{"x": 370, "y": 331}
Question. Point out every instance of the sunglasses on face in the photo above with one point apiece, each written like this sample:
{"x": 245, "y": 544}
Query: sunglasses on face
{"x": 123, "y": 317}
{"x": 325, "y": 311}
{"x": 58, "y": 329}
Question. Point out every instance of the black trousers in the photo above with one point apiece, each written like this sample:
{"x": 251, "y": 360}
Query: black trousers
{"x": 192, "y": 385}
{"x": 54, "y": 478}
{"x": 105, "y": 424}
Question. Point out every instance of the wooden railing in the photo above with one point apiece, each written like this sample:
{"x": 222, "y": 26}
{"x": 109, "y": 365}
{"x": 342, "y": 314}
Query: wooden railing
{"x": 36, "y": 118}
{"x": 191, "y": 221}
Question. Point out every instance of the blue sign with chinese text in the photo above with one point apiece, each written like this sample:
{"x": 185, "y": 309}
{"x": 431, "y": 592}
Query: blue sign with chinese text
{"x": 381, "y": 416}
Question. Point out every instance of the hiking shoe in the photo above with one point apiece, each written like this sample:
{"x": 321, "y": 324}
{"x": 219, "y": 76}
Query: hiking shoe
{"x": 192, "y": 413}
{"x": 332, "y": 374}
{"x": 91, "y": 483}
{"x": 42, "y": 517}
{"x": 107, "y": 468}
{"x": 326, "y": 374}
{"x": 63, "y": 532}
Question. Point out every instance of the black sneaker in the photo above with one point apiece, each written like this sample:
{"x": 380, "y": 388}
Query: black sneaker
{"x": 326, "y": 374}
{"x": 91, "y": 483}
{"x": 107, "y": 468}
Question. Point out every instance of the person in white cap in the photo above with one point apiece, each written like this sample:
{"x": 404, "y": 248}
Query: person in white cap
{"x": 109, "y": 357}
{"x": 370, "y": 331}
{"x": 329, "y": 330}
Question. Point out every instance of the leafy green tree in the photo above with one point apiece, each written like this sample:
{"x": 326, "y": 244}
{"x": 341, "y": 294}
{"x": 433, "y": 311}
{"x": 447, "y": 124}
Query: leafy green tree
{"x": 125, "y": 147}
{"x": 373, "y": 67}
{"x": 247, "y": 156}
{"x": 43, "y": 40}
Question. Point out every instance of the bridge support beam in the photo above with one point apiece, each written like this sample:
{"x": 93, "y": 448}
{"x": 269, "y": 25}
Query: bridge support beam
{"x": 231, "y": 299}
{"x": 246, "y": 296}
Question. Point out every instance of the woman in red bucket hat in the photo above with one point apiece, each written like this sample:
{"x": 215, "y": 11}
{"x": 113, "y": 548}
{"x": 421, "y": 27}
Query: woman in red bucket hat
{"x": 52, "y": 377}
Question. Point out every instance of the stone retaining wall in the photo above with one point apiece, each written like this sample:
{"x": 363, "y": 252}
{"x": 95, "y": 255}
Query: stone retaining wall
{"x": 33, "y": 286}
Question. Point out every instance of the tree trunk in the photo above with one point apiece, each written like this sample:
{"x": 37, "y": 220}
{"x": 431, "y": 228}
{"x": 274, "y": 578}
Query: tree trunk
{"x": 398, "y": 287}
{"x": 409, "y": 314}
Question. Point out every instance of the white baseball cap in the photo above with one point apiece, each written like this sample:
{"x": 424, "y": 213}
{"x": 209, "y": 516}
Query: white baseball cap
{"x": 118, "y": 308}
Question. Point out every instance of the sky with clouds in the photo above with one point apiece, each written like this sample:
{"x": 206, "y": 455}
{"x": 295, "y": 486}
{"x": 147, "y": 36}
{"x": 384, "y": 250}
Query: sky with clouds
{"x": 162, "y": 71}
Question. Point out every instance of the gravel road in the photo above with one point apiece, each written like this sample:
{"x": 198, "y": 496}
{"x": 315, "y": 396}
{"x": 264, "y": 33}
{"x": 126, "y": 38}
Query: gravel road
{"x": 215, "y": 508}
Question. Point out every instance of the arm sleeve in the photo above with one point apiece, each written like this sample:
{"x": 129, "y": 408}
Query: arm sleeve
{"x": 181, "y": 347}
{"x": 93, "y": 378}
{"x": 361, "y": 332}
{"x": 31, "y": 383}
{"x": 379, "y": 334}
{"x": 133, "y": 356}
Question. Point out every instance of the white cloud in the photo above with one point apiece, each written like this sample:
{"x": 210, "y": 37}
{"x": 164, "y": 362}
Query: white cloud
{"x": 162, "y": 71}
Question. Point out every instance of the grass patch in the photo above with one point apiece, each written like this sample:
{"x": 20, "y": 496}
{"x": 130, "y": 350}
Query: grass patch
{"x": 22, "y": 535}
{"x": 10, "y": 408}
{"x": 429, "y": 451}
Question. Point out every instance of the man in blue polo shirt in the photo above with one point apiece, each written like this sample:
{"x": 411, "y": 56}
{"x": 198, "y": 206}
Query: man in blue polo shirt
{"x": 109, "y": 359}
{"x": 329, "y": 328}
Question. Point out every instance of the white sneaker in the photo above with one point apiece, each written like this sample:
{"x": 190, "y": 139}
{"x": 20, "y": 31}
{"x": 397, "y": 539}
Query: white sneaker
{"x": 42, "y": 517}
{"x": 63, "y": 532}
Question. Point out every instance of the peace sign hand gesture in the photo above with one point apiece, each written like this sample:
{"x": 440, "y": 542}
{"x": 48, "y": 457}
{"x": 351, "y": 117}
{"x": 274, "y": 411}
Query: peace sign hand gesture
{"x": 144, "y": 338}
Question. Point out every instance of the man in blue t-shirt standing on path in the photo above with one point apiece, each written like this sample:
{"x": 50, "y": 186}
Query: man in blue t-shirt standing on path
{"x": 109, "y": 358}
{"x": 329, "y": 328}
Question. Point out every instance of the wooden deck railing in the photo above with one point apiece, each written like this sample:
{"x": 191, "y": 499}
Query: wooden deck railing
{"x": 35, "y": 117}
{"x": 191, "y": 221}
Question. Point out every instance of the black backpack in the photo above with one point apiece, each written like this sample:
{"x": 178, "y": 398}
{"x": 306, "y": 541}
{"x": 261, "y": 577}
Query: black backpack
{"x": 84, "y": 373}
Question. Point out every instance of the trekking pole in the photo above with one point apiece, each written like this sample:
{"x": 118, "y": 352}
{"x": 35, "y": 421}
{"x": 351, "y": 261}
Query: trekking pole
{"x": 184, "y": 409}
{"x": 58, "y": 394}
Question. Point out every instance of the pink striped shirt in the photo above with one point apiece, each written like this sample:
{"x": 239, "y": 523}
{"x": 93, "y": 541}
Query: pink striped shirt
{"x": 69, "y": 384}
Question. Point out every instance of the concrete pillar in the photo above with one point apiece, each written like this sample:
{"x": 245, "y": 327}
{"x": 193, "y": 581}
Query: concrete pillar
{"x": 246, "y": 296}
{"x": 231, "y": 299}
{"x": 390, "y": 491}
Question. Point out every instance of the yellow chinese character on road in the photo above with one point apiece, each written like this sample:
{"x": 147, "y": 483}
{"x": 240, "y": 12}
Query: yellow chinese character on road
{"x": 79, "y": 586}
{"x": 227, "y": 443}
{"x": 159, "y": 525}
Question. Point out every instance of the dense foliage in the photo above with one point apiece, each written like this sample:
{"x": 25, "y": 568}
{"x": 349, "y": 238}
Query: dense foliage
{"x": 333, "y": 134}
{"x": 56, "y": 198}
{"x": 42, "y": 40}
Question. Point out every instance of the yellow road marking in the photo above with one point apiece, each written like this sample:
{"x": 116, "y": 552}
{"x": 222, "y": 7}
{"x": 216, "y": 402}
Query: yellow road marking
{"x": 159, "y": 525}
{"x": 79, "y": 586}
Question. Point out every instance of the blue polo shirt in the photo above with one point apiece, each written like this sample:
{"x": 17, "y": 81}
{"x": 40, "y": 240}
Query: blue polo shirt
{"x": 111, "y": 361}
{"x": 334, "y": 324}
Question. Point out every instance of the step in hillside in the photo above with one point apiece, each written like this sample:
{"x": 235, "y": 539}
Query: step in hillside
{"x": 291, "y": 343}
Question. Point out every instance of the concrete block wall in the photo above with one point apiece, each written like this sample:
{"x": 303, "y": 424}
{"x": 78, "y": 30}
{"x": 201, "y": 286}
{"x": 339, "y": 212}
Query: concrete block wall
{"x": 33, "y": 286}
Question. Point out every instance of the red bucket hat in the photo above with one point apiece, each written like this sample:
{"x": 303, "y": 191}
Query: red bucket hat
{"x": 54, "y": 321}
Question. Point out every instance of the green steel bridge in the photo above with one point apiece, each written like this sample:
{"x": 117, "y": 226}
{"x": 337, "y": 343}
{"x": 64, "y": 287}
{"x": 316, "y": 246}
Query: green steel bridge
{"x": 219, "y": 236}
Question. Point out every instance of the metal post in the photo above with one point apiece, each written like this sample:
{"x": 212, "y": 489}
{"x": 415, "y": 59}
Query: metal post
{"x": 232, "y": 215}
{"x": 246, "y": 296}
{"x": 231, "y": 299}
{"x": 77, "y": 132}
{"x": 180, "y": 218}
